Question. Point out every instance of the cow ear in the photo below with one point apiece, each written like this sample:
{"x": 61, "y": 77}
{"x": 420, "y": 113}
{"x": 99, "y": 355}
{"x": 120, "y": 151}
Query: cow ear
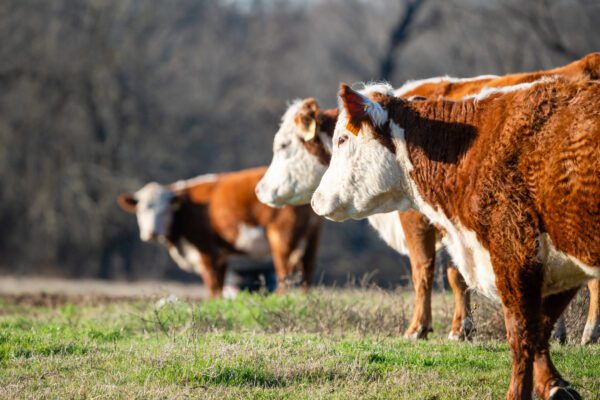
{"x": 306, "y": 119}
{"x": 356, "y": 106}
{"x": 128, "y": 202}
{"x": 309, "y": 131}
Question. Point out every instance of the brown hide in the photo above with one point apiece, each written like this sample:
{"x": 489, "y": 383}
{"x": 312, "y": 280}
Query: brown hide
{"x": 509, "y": 167}
{"x": 525, "y": 148}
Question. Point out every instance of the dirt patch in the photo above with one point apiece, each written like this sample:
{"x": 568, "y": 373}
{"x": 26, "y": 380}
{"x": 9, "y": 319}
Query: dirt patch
{"x": 53, "y": 292}
{"x": 53, "y": 300}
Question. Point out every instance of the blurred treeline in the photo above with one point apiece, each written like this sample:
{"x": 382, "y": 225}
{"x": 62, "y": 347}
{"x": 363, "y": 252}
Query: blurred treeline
{"x": 99, "y": 96}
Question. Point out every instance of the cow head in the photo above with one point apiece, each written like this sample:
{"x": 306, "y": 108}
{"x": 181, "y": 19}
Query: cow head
{"x": 153, "y": 206}
{"x": 301, "y": 153}
{"x": 364, "y": 176}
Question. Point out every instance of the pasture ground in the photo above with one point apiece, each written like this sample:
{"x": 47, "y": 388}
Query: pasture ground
{"x": 331, "y": 344}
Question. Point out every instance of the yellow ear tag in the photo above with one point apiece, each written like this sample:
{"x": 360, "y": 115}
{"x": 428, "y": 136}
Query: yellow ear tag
{"x": 352, "y": 128}
{"x": 310, "y": 133}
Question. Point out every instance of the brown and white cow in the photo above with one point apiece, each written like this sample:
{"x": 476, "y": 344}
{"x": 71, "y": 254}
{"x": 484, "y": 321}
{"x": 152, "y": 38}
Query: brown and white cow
{"x": 204, "y": 220}
{"x": 458, "y": 88}
{"x": 511, "y": 176}
{"x": 302, "y": 151}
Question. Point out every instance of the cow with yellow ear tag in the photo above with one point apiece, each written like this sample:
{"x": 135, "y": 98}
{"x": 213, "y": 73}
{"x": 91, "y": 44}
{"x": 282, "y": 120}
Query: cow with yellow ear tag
{"x": 301, "y": 153}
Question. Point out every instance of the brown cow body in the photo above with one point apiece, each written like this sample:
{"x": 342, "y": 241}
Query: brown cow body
{"x": 512, "y": 178}
{"x": 520, "y": 171}
{"x": 457, "y": 89}
{"x": 217, "y": 217}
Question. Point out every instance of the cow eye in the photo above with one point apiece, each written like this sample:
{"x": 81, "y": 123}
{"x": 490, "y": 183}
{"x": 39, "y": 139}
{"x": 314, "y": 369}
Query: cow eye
{"x": 341, "y": 140}
{"x": 283, "y": 145}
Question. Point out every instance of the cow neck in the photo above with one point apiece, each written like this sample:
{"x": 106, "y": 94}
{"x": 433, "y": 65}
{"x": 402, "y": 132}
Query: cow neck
{"x": 438, "y": 134}
{"x": 189, "y": 221}
{"x": 326, "y": 121}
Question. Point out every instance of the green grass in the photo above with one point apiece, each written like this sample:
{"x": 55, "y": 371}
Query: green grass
{"x": 329, "y": 344}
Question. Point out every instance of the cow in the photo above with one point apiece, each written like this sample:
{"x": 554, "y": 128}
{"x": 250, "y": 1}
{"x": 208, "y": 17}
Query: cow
{"x": 301, "y": 153}
{"x": 204, "y": 220}
{"x": 511, "y": 175}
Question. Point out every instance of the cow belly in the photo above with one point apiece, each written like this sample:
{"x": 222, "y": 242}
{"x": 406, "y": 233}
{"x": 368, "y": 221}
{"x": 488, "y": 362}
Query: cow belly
{"x": 562, "y": 271}
{"x": 472, "y": 259}
{"x": 252, "y": 240}
{"x": 390, "y": 230}
{"x": 187, "y": 256}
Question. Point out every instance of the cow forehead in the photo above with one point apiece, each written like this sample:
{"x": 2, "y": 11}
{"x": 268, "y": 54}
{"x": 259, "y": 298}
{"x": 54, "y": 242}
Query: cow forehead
{"x": 288, "y": 121}
{"x": 153, "y": 192}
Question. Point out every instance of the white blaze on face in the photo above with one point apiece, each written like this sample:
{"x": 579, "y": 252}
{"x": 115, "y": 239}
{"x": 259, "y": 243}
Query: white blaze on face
{"x": 363, "y": 177}
{"x": 153, "y": 211}
{"x": 294, "y": 173}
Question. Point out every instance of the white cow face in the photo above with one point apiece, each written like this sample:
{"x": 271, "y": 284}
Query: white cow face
{"x": 364, "y": 176}
{"x": 294, "y": 173}
{"x": 153, "y": 206}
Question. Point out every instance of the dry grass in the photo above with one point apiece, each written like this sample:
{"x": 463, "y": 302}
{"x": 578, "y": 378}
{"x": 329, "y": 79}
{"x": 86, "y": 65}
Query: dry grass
{"x": 328, "y": 344}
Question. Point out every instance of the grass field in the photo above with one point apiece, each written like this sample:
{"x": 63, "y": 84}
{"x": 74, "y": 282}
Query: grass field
{"x": 335, "y": 344}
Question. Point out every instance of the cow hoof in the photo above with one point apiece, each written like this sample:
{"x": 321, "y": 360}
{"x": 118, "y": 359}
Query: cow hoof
{"x": 564, "y": 393}
{"x": 465, "y": 332}
{"x": 418, "y": 334}
{"x": 591, "y": 333}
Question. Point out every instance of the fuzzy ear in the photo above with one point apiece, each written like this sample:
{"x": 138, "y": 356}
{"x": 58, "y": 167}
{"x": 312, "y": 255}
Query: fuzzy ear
{"x": 306, "y": 119}
{"x": 356, "y": 105}
{"x": 309, "y": 132}
{"x": 128, "y": 202}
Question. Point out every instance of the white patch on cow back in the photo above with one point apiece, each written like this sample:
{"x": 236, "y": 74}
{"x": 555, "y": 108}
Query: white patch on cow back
{"x": 489, "y": 91}
{"x": 390, "y": 230}
{"x": 409, "y": 86}
{"x": 186, "y": 183}
{"x": 252, "y": 240}
{"x": 187, "y": 256}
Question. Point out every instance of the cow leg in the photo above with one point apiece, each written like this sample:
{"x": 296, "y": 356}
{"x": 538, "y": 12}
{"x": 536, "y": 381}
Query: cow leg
{"x": 521, "y": 321}
{"x": 309, "y": 259}
{"x": 519, "y": 279}
{"x": 213, "y": 274}
{"x": 462, "y": 322}
{"x": 420, "y": 239}
{"x": 591, "y": 333}
{"x": 560, "y": 331}
{"x": 280, "y": 250}
{"x": 548, "y": 382}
